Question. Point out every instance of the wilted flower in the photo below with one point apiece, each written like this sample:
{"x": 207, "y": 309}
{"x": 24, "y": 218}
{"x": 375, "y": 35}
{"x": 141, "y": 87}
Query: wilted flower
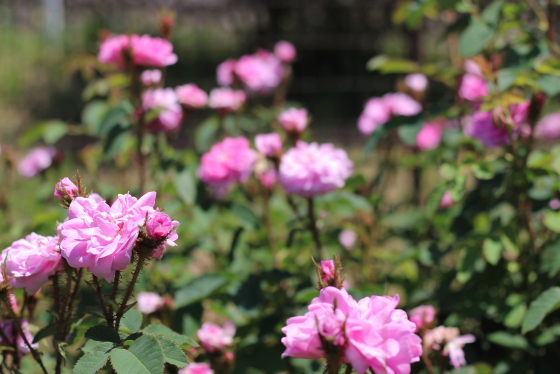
{"x": 8, "y": 328}
{"x": 37, "y": 160}
{"x": 313, "y": 169}
{"x": 191, "y": 96}
{"x": 149, "y": 302}
{"x": 347, "y": 238}
{"x": 285, "y": 51}
{"x": 417, "y": 82}
{"x": 101, "y": 237}
{"x": 226, "y": 100}
{"x": 227, "y": 162}
{"x": 269, "y": 145}
{"x": 170, "y": 113}
{"x": 423, "y": 316}
{"x": 294, "y": 120}
{"x": 151, "y": 77}
{"x": 370, "y": 333}
{"x": 215, "y": 338}
{"x": 30, "y": 261}
{"x": 70, "y": 188}
{"x": 196, "y": 368}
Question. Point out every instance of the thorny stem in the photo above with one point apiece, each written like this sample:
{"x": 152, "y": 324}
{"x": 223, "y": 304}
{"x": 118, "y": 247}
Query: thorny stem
{"x": 130, "y": 289}
{"x": 99, "y": 294}
{"x": 17, "y": 325}
{"x": 116, "y": 281}
{"x": 313, "y": 226}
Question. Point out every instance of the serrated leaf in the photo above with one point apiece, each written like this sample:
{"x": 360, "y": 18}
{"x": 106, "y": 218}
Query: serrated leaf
{"x": 131, "y": 321}
{"x": 174, "y": 355}
{"x": 145, "y": 356}
{"x": 166, "y": 332}
{"x": 102, "y": 333}
{"x": 473, "y": 40}
{"x": 545, "y": 303}
{"x": 198, "y": 289}
{"x": 45, "y": 332}
{"x": 94, "y": 360}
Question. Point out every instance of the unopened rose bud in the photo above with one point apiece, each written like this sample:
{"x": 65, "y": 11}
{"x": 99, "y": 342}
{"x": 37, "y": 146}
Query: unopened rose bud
{"x": 329, "y": 273}
{"x": 65, "y": 185}
{"x": 327, "y": 270}
{"x": 159, "y": 226}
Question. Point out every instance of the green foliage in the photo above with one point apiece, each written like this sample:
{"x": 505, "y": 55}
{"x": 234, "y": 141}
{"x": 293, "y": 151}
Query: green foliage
{"x": 102, "y": 333}
{"x": 94, "y": 359}
{"x": 545, "y": 303}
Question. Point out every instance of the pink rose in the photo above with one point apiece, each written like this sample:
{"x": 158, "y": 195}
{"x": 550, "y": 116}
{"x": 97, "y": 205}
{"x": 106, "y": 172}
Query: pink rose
{"x": 261, "y": 72}
{"x": 145, "y": 51}
{"x": 473, "y": 87}
{"x": 170, "y": 112}
{"x": 481, "y": 126}
{"x": 153, "y": 52}
{"x": 401, "y": 104}
{"x": 226, "y": 100}
{"x": 347, "y": 239}
{"x": 417, "y": 82}
{"x": 214, "y": 338}
{"x": 37, "y": 160}
{"x": 100, "y": 237}
{"x": 151, "y": 77}
{"x": 327, "y": 270}
{"x": 224, "y": 73}
{"x": 269, "y": 178}
{"x": 149, "y": 302}
{"x": 422, "y": 316}
{"x": 191, "y": 96}
{"x": 30, "y": 261}
{"x": 430, "y": 135}
{"x": 70, "y": 187}
{"x": 196, "y": 368}
{"x": 227, "y": 162}
{"x": 294, "y": 120}
{"x": 313, "y": 169}
{"x": 159, "y": 227}
{"x": 446, "y": 200}
{"x": 285, "y": 51}
{"x": 269, "y": 145}
{"x": 112, "y": 51}
{"x": 9, "y": 331}
{"x": 371, "y": 332}
{"x": 548, "y": 127}
{"x": 554, "y": 204}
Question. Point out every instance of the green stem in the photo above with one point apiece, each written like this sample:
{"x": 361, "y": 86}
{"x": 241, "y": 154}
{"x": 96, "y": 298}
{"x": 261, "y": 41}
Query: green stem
{"x": 313, "y": 227}
{"x": 99, "y": 294}
{"x": 129, "y": 290}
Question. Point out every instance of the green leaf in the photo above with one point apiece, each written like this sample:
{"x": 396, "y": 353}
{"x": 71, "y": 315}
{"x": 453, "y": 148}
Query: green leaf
{"x": 433, "y": 201}
{"x": 131, "y": 321}
{"x": 204, "y": 134}
{"x": 506, "y": 77}
{"x": 475, "y": 38}
{"x": 54, "y": 130}
{"x": 115, "y": 142}
{"x": 515, "y": 317}
{"x": 174, "y": 355}
{"x": 94, "y": 360}
{"x": 408, "y": 134}
{"x": 102, "y": 333}
{"x": 491, "y": 13}
{"x": 198, "y": 289}
{"x": 545, "y": 303}
{"x": 45, "y": 332}
{"x": 245, "y": 214}
{"x": 492, "y": 250}
{"x": 185, "y": 184}
{"x": 166, "y": 332}
{"x": 550, "y": 262}
{"x": 145, "y": 356}
{"x": 552, "y": 220}
{"x": 93, "y": 114}
{"x": 115, "y": 116}
{"x": 550, "y": 84}
{"x": 506, "y": 339}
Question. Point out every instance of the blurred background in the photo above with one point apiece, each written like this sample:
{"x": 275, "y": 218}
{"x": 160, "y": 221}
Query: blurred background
{"x": 42, "y": 44}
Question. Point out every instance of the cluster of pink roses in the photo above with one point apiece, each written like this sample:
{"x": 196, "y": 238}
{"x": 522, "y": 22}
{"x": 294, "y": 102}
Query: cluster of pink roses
{"x": 369, "y": 333}
{"x": 440, "y": 340}
{"x": 145, "y": 51}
